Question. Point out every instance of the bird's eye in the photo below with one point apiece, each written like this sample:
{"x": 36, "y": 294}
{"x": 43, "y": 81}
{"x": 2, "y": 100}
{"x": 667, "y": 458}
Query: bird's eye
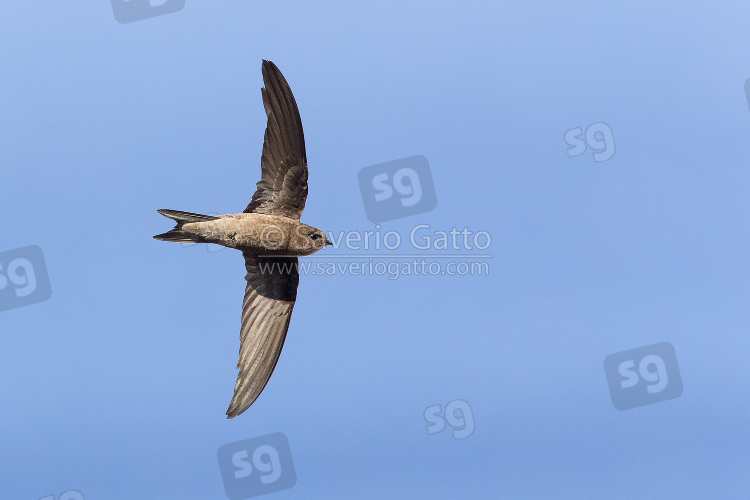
{"x": 314, "y": 236}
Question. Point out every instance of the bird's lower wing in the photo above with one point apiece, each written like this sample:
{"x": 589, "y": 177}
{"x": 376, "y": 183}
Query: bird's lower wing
{"x": 269, "y": 299}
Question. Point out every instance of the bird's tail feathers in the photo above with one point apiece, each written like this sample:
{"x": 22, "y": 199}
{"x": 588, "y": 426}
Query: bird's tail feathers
{"x": 186, "y": 216}
{"x": 177, "y": 234}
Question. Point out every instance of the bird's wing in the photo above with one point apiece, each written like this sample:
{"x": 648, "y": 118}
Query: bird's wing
{"x": 266, "y": 311}
{"x": 282, "y": 189}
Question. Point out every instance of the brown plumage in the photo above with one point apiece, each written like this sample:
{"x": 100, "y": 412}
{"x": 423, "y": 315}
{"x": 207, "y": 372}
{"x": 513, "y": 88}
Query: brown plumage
{"x": 270, "y": 236}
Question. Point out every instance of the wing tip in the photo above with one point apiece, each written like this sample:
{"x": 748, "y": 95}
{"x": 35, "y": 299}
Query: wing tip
{"x": 267, "y": 66}
{"x": 235, "y": 409}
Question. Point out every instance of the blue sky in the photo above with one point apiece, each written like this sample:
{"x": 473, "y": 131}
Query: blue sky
{"x": 117, "y": 385}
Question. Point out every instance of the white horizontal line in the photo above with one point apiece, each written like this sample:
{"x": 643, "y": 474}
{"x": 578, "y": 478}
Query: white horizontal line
{"x": 385, "y": 256}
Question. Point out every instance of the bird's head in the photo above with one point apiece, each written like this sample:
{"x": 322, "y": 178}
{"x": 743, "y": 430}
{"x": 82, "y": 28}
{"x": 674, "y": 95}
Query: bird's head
{"x": 309, "y": 240}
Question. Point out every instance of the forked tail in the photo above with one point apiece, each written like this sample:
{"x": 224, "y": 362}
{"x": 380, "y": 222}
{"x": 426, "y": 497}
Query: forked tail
{"x": 176, "y": 234}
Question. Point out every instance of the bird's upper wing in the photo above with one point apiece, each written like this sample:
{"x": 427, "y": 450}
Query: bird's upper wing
{"x": 266, "y": 311}
{"x": 282, "y": 189}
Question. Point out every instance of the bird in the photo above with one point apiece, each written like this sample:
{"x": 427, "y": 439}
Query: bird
{"x": 270, "y": 236}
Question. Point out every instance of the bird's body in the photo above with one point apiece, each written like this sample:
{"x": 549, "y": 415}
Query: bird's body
{"x": 270, "y": 236}
{"x": 254, "y": 233}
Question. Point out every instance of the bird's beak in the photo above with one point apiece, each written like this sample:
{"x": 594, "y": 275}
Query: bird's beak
{"x": 328, "y": 242}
